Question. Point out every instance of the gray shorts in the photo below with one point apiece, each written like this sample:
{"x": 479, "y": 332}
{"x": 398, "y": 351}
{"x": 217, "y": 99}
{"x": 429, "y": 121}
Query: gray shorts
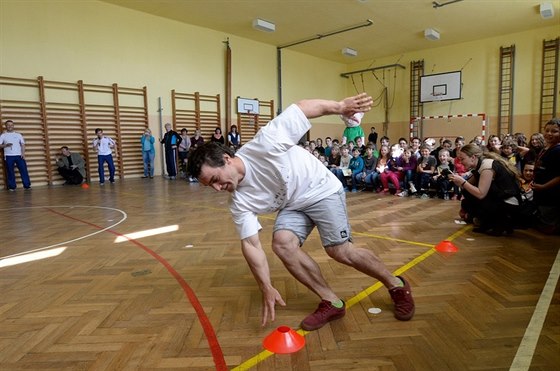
{"x": 329, "y": 215}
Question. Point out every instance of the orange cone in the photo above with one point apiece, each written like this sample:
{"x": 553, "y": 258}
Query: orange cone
{"x": 283, "y": 340}
{"x": 446, "y": 246}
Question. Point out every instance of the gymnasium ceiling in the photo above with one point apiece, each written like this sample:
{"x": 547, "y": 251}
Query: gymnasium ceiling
{"x": 398, "y": 25}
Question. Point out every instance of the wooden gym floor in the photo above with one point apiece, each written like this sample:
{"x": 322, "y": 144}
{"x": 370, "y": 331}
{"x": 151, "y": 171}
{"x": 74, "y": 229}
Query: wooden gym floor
{"x": 82, "y": 288}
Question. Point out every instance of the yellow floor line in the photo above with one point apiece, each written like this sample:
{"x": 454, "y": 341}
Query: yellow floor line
{"x": 252, "y": 362}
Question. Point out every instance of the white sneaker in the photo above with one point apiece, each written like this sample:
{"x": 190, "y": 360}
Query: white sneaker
{"x": 403, "y": 193}
{"x": 412, "y": 187}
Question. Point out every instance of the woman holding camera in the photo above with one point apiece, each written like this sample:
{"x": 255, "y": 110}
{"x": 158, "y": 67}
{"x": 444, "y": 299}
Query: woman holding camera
{"x": 492, "y": 193}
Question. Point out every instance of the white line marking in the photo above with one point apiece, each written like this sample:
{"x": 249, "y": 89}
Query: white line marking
{"x": 526, "y": 350}
{"x": 73, "y": 240}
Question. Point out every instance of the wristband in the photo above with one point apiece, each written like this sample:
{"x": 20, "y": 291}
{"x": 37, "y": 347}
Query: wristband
{"x": 462, "y": 184}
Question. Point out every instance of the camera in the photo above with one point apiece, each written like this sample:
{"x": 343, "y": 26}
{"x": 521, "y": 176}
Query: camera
{"x": 446, "y": 172}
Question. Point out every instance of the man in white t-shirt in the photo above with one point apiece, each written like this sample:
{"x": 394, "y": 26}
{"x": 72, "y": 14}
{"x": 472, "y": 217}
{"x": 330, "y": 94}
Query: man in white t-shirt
{"x": 104, "y": 145}
{"x": 272, "y": 173}
{"x": 14, "y": 155}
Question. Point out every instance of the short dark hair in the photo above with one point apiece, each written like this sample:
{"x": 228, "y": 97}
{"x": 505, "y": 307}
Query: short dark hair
{"x": 65, "y": 147}
{"x": 211, "y": 154}
{"x": 98, "y": 130}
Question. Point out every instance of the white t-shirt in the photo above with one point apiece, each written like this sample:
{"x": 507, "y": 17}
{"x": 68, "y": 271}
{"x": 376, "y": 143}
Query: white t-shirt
{"x": 279, "y": 174}
{"x": 104, "y": 145}
{"x": 16, "y": 139}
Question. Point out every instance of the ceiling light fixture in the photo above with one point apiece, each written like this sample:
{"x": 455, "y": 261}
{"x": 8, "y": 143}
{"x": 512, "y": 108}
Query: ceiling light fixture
{"x": 349, "y": 52}
{"x": 431, "y": 34}
{"x": 262, "y": 25}
{"x": 547, "y": 10}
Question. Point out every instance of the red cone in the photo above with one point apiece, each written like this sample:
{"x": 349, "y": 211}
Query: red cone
{"x": 284, "y": 340}
{"x": 446, "y": 246}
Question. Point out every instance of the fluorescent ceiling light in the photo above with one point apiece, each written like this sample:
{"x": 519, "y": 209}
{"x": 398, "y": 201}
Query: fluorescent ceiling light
{"x": 349, "y": 52}
{"x": 262, "y": 25}
{"x": 431, "y": 34}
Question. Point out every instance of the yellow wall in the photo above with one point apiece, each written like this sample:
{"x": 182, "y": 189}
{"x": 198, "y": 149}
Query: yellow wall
{"x": 100, "y": 43}
{"x": 479, "y": 61}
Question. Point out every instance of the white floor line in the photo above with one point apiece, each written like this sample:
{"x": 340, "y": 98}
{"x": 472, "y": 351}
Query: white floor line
{"x": 526, "y": 350}
{"x": 69, "y": 241}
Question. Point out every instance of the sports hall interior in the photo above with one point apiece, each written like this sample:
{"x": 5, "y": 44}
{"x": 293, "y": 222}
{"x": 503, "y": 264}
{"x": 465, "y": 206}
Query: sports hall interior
{"x": 148, "y": 274}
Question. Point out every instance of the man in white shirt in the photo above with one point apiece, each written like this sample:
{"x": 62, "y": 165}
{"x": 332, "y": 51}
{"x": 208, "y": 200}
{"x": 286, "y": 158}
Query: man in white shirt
{"x": 14, "y": 155}
{"x": 272, "y": 173}
{"x": 104, "y": 147}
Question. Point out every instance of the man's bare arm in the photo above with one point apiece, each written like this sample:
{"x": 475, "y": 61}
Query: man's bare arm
{"x": 256, "y": 258}
{"x": 347, "y": 107}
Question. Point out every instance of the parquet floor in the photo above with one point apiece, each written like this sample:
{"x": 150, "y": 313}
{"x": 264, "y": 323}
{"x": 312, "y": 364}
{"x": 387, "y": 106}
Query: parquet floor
{"x": 183, "y": 298}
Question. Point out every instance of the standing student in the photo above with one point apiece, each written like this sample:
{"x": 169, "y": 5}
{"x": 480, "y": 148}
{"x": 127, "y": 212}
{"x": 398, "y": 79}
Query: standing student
{"x": 171, "y": 141}
{"x": 272, "y": 173}
{"x": 14, "y": 156}
{"x": 104, "y": 147}
{"x": 148, "y": 153}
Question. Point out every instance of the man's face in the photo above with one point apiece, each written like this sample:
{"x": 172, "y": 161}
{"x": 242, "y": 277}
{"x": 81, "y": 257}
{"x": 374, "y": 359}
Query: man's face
{"x": 10, "y": 126}
{"x": 65, "y": 152}
{"x": 224, "y": 178}
{"x": 100, "y": 133}
{"x": 167, "y": 127}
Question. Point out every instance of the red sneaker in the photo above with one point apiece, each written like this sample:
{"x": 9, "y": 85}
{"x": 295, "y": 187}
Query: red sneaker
{"x": 322, "y": 315}
{"x": 404, "y": 303}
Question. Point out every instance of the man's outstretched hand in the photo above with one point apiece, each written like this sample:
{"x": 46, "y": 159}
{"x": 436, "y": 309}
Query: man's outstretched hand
{"x": 358, "y": 103}
{"x": 271, "y": 297}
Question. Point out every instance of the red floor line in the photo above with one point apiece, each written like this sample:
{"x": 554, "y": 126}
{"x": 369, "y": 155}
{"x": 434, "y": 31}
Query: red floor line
{"x": 217, "y": 354}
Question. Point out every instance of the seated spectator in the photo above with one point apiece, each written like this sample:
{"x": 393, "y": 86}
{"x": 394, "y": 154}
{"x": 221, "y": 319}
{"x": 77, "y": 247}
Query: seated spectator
{"x": 368, "y": 175}
{"x": 328, "y": 146}
{"x": 320, "y": 147}
{"x": 494, "y": 144}
{"x": 393, "y": 172}
{"x": 509, "y": 151}
{"x": 71, "y": 166}
{"x": 334, "y": 158}
{"x": 408, "y": 164}
{"x": 444, "y": 144}
{"x": 459, "y": 142}
{"x": 443, "y": 171}
{"x": 546, "y": 185}
{"x": 218, "y": 137}
{"x": 492, "y": 194}
{"x": 527, "y": 177}
{"x": 356, "y": 166}
{"x": 323, "y": 160}
{"x": 234, "y": 138}
{"x": 415, "y": 147}
{"x": 384, "y": 141}
{"x": 360, "y": 145}
{"x": 403, "y": 143}
{"x": 536, "y": 147}
{"x": 382, "y": 163}
{"x": 342, "y": 170}
{"x": 424, "y": 171}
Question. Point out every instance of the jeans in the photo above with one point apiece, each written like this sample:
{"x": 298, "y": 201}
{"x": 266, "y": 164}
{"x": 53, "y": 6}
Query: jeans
{"x": 148, "y": 157}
